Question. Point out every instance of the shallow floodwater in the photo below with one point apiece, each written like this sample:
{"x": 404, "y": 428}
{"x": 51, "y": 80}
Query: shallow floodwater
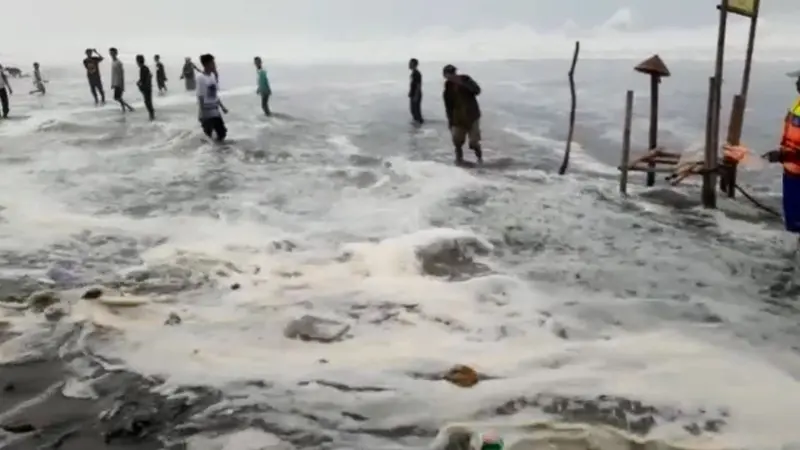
{"x": 645, "y": 313}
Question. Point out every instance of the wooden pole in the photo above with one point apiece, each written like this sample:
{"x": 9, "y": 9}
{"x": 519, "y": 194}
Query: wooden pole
{"x": 709, "y": 193}
{"x": 655, "y": 80}
{"x": 751, "y": 42}
{"x": 718, "y": 69}
{"x": 571, "y": 76}
{"x": 626, "y": 144}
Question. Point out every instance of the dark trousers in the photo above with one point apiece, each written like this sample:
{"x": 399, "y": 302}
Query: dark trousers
{"x": 416, "y": 109}
{"x": 147, "y": 94}
{"x": 214, "y": 125}
{"x": 96, "y": 86}
{"x": 4, "y": 101}
{"x": 791, "y": 202}
{"x": 265, "y": 104}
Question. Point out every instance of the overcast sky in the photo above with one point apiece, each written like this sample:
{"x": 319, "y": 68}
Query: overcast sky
{"x": 58, "y": 26}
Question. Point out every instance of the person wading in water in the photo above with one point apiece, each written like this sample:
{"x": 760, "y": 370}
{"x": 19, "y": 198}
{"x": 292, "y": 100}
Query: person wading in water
{"x": 263, "y": 85}
{"x": 118, "y": 80}
{"x": 187, "y": 74}
{"x": 208, "y": 102}
{"x": 92, "y": 65}
{"x": 38, "y": 82}
{"x": 5, "y": 91}
{"x": 145, "y": 85}
{"x": 463, "y": 112}
{"x": 415, "y": 92}
{"x": 161, "y": 75}
{"x": 788, "y": 155}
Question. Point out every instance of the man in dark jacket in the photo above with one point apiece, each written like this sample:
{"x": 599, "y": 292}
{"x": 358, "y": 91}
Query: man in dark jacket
{"x": 463, "y": 112}
{"x": 415, "y": 91}
{"x": 145, "y": 84}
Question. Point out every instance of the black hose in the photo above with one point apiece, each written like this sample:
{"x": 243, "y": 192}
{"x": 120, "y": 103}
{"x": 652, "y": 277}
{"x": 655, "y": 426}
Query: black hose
{"x": 757, "y": 203}
{"x": 739, "y": 188}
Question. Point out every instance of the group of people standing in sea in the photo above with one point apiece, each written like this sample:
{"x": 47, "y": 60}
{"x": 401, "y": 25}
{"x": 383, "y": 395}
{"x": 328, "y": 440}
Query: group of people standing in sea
{"x": 204, "y": 80}
{"x": 460, "y": 94}
{"x": 6, "y": 89}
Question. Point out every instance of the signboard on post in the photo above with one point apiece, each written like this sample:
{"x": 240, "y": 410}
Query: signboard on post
{"x": 745, "y": 8}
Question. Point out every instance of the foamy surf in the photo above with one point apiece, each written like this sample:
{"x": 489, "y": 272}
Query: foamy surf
{"x": 309, "y": 283}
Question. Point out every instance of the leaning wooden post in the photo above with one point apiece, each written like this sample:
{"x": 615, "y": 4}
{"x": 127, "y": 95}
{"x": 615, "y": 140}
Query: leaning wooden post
{"x": 728, "y": 172}
{"x": 656, "y": 68}
{"x": 751, "y": 43}
{"x": 709, "y": 192}
{"x": 626, "y": 144}
{"x": 728, "y": 179}
{"x": 571, "y": 76}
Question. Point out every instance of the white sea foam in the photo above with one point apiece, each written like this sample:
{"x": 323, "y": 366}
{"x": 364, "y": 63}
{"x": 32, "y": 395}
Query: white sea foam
{"x": 357, "y": 249}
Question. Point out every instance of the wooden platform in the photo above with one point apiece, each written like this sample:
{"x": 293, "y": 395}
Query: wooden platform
{"x": 660, "y": 160}
{"x": 654, "y": 161}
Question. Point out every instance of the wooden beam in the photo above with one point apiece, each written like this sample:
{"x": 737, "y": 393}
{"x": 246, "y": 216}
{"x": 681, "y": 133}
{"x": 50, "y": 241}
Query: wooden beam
{"x": 626, "y": 143}
{"x": 665, "y": 161}
{"x": 655, "y": 80}
{"x": 649, "y": 169}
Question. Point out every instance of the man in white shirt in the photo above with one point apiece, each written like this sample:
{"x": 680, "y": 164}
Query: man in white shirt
{"x": 5, "y": 90}
{"x": 208, "y": 102}
{"x": 118, "y": 80}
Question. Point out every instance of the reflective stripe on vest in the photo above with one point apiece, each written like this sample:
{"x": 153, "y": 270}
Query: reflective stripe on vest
{"x": 790, "y": 142}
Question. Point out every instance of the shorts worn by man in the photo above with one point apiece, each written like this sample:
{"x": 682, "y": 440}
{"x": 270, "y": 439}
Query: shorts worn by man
{"x": 209, "y": 104}
{"x": 463, "y": 112}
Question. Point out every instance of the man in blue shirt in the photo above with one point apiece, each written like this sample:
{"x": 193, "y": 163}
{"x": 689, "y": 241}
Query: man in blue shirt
{"x": 263, "y": 85}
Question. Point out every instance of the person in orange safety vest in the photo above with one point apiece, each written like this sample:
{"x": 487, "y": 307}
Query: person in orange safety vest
{"x": 789, "y": 156}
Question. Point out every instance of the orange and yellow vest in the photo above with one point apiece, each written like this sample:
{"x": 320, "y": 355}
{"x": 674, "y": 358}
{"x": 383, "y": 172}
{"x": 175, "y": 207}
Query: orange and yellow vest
{"x": 790, "y": 142}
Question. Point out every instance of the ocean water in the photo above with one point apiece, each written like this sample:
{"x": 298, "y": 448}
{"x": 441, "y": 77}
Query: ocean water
{"x": 645, "y": 314}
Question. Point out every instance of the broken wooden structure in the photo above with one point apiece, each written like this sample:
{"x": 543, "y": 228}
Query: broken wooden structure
{"x": 657, "y": 159}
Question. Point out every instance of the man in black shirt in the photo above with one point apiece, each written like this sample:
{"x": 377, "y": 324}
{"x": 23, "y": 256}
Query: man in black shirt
{"x": 145, "y": 84}
{"x": 415, "y": 91}
{"x": 5, "y": 90}
{"x": 161, "y": 75}
{"x": 92, "y": 65}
